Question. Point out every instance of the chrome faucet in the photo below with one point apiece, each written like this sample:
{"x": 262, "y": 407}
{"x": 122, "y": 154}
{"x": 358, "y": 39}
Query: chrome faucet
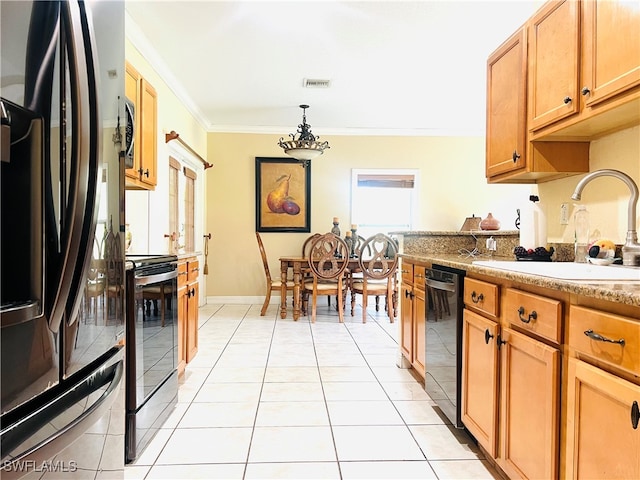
{"x": 631, "y": 247}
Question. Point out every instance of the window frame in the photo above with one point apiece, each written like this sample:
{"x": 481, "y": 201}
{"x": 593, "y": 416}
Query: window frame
{"x": 386, "y": 174}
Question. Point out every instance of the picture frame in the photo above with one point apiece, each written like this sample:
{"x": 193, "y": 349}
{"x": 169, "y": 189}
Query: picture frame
{"x": 283, "y": 195}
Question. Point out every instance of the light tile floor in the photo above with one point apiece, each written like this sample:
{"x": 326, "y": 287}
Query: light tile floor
{"x": 267, "y": 398}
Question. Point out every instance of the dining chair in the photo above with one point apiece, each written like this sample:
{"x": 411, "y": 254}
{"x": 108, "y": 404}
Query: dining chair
{"x": 378, "y": 273}
{"x": 306, "y": 273}
{"x": 328, "y": 259}
{"x": 271, "y": 283}
{"x": 94, "y": 290}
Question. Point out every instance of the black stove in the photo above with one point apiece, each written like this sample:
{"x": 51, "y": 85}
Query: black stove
{"x": 145, "y": 259}
{"x": 152, "y": 347}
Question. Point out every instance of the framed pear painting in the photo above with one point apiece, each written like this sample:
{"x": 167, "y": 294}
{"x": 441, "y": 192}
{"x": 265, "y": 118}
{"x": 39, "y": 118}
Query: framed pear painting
{"x": 283, "y": 195}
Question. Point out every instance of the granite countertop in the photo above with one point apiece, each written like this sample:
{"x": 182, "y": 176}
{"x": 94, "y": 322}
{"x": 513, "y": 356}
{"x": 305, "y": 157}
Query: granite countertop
{"x": 452, "y": 233}
{"x": 625, "y": 292}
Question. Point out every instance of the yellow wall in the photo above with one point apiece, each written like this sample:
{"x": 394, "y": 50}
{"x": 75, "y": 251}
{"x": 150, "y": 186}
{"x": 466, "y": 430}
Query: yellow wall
{"x": 452, "y": 187}
{"x": 606, "y": 198}
{"x": 147, "y": 212}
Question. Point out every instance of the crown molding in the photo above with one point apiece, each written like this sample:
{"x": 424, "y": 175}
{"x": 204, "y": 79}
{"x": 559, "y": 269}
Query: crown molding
{"x": 146, "y": 49}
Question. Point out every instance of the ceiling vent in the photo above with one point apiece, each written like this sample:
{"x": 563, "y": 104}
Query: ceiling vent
{"x": 316, "y": 83}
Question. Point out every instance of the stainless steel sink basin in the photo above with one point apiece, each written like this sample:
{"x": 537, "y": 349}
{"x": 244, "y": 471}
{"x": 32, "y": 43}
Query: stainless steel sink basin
{"x": 567, "y": 270}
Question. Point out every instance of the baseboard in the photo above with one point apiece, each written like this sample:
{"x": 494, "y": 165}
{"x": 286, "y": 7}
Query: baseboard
{"x": 242, "y": 300}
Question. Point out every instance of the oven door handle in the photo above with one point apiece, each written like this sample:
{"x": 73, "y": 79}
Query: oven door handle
{"x": 156, "y": 278}
{"x": 449, "y": 287}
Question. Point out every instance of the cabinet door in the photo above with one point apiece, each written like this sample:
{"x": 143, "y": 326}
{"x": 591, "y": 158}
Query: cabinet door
{"x": 406, "y": 322}
{"x": 192, "y": 321}
{"x": 148, "y": 134}
{"x": 480, "y": 378}
{"x": 182, "y": 328}
{"x": 553, "y": 63}
{"x": 529, "y": 413}
{"x": 131, "y": 88}
{"x": 611, "y": 48}
{"x": 419, "y": 340}
{"x": 602, "y": 441}
{"x": 506, "y": 106}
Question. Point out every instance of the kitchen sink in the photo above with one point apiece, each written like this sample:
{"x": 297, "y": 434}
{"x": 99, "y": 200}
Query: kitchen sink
{"x": 566, "y": 270}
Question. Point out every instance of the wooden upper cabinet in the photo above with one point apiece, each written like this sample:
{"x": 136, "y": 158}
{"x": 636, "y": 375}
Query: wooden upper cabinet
{"x": 148, "y": 134}
{"x": 553, "y": 63}
{"x": 506, "y": 106}
{"x": 132, "y": 79}
{"x": 588, "y": 52}
{"x": 143, "y": 174}
{"x": 611, "y": 48}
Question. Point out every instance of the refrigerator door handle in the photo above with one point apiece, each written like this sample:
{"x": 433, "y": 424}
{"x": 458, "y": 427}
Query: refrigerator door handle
{"x": 79, "y": 219}
{"x": 14, "y": 436}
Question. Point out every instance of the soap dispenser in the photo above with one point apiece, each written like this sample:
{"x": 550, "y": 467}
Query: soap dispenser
{"x": 581, "y": 225}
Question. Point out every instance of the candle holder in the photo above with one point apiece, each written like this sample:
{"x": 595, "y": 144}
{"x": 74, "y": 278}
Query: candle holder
{"x": 336, "y": 229}
{"x": 354, "y": 242}
{"x": 349, "y": 241}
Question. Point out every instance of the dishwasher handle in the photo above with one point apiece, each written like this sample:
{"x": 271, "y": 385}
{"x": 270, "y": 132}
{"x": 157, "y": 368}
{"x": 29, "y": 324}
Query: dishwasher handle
{"x": 438, "y": 285}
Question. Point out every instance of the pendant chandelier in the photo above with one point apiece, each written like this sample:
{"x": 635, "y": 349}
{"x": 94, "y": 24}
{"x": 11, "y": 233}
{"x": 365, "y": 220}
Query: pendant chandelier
{"x": 307, "y": 145}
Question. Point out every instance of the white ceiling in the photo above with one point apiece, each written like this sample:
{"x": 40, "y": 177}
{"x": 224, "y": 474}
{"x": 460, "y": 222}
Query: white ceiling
{"x": 396, "y": 67}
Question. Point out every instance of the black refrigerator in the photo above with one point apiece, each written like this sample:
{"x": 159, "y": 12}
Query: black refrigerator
{"x": 61, "y": 244}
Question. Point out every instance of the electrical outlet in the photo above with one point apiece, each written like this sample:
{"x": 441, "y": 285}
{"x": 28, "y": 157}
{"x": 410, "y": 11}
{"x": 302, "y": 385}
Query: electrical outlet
{"x": 564, "y": 214}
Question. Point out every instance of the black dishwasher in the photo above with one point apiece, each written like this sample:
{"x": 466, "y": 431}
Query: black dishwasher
{"x": 443, "y": 365}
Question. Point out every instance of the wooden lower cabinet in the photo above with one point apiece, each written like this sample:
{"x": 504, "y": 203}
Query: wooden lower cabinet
{"x": 511, "y": 381}
{"x": 188, "y": 295}
{"x": 182, "y": 329}
{"x": 192, "y": 321}
{"x": 406, "y": 321}
{"x": 480, "y": 379}
{"x": 419, "y": 325}
{"x": 529, "y": 407}
{"x": 412, "y": 315}
{"x": 602, "y": 441}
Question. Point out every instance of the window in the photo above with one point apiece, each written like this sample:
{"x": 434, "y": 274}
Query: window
{"x": 174, "y": 202}
{"x": 384, "y": 200}
{"x": 182, "y": 201}
{"x": 189, "y": 209}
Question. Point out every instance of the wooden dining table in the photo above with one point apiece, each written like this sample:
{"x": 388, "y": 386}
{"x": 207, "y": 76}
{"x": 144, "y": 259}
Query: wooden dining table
{"x": 298, "y": 264}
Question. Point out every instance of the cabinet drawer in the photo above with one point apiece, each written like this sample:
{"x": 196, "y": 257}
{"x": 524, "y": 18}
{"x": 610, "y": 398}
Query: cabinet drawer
{"x": 194, "y": 269}
{"x": 418, "y": 277}
{"x": 608, "y": 338}
{"x": 182, "y": 274}
{"x": 482, "y": 296}
{"x": 407, "y": 272}
{"x": 540, "y": 315}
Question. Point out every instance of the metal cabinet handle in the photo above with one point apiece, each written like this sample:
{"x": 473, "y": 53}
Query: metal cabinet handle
{"x": 585, "y": 91}
{"x": 515, "y": 156}
{"x": 567, "y": 100}
{"x": 635, "y": 415}
{"x": 596, "y": 336}
{"x": 475, "y": 298}
{"x": 532, "y": 316}
{"x": 487, "y": 336}
{"x": 418, "y": 275}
